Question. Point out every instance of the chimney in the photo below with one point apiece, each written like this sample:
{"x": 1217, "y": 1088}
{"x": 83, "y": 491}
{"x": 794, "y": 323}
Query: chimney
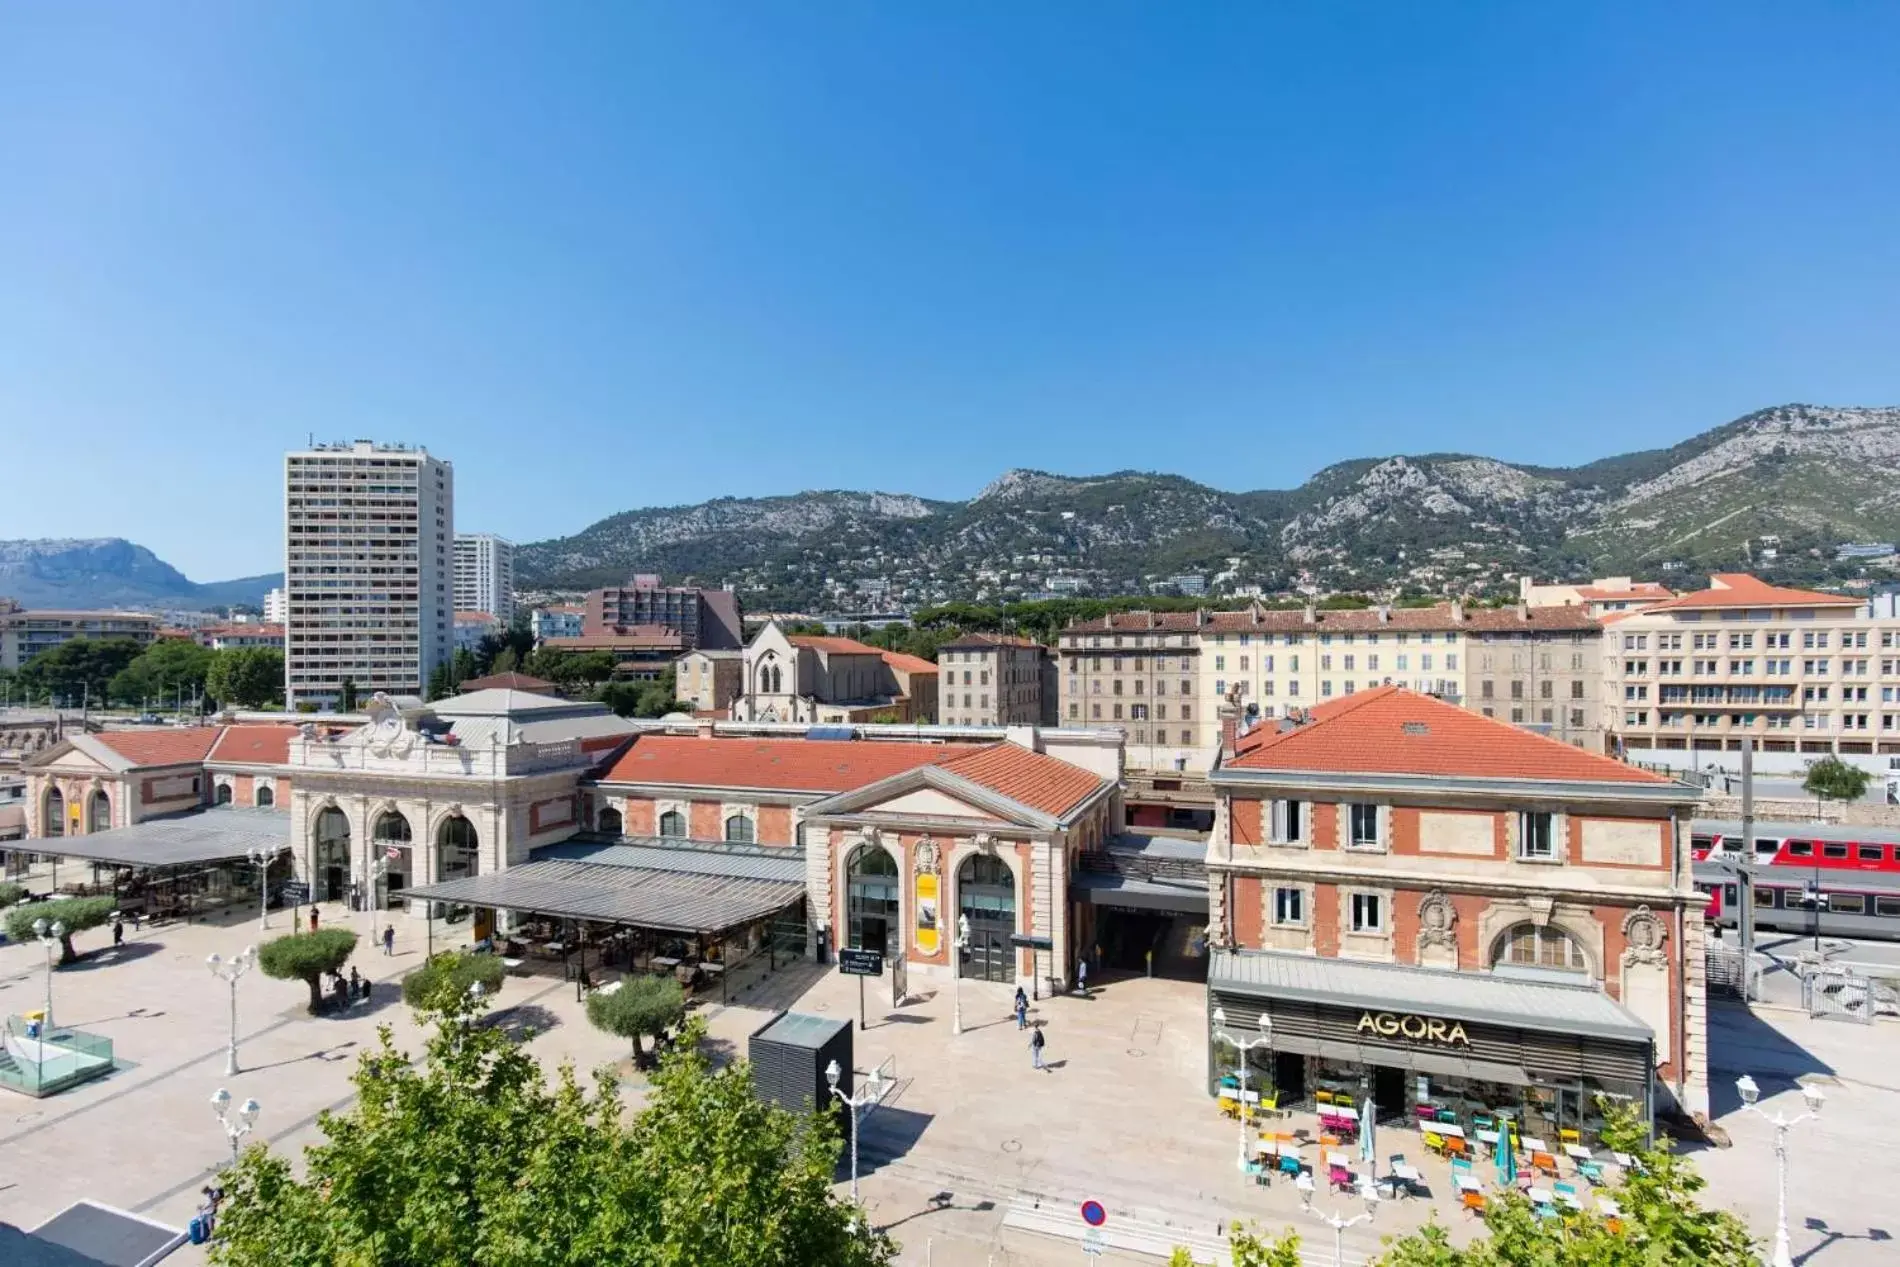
{"x": 1524, "y": 613}
{"x": 1457, "y": 611}
{"x": 1385, "y": 612}
{"x": 1108, "y": 620}
{"x": 1310, "y": 615}
{"x": 1229, "y": 730}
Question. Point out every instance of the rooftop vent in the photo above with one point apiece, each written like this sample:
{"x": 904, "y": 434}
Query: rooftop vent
{"x": 1415, "y": 728}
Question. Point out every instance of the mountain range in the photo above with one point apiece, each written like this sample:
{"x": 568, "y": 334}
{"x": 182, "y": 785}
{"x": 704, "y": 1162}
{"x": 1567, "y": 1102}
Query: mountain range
{"x": 113, "y": 572}
{"x": 1807, "y": 477}
{"x": 1777, "y": 492}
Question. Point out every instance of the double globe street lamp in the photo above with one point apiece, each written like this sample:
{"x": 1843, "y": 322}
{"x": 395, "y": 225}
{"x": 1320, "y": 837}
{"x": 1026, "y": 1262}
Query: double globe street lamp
{"x": 1243, "y": 1049}
{"x": 237, "y": 1124}
{"x": 50, "y": 935}
{"x": 1338, "y": 1223}
{"x": 869, "y": 1093}
{"x": 1782, "y": 1255}
{"x": 228, "y": 971}
{"x": 261, "y": 858}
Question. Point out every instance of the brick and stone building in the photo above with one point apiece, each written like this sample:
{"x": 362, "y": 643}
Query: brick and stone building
{"x": 988, "y": 679}
{"x": 1391, "y": 866}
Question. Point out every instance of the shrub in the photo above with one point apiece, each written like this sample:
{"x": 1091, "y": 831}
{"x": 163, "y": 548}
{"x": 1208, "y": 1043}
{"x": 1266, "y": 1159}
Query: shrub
{"x": 446, "y": 978}
{"x": 307, "y": 957}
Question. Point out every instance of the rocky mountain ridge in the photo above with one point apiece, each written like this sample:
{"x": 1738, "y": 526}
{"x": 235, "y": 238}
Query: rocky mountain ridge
{"x": 102, "y": 572}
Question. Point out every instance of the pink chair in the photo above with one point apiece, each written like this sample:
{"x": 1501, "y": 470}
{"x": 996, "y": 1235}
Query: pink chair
{"x": 1340, "y": 1178}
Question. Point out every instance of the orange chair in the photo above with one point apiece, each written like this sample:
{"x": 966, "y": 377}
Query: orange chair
{"x": 1614, "y": 1224}
{"x": 1544, "y": 1162}
{"x": 1455, "y": 1147}
{"x": 1474, "y": 1202}
{"x": 1329, "y": 1141}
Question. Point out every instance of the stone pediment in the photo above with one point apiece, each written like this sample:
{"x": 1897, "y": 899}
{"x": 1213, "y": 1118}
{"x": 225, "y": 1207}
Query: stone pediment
{"x": 932, "y": 793}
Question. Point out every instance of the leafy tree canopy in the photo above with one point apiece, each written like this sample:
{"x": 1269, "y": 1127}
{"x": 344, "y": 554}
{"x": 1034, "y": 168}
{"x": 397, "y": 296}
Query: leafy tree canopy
{"x": 168, "y": 669}
{"x": 249, "y": 677}
{"x": 469, "y": 1156}
{"x": 78, "y": 667}
{"x": 642, "y": 1005}
{"x": 307, "y": 957}
{"x": 11, "y": 893}
{"x": 77, "y": 913}
{"x": 1832, "y": 779}
{"x": 439, "y": 984}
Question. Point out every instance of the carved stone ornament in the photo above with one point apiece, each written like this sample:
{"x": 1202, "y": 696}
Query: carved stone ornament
{"x": 1436, "y": 917}
{"x": 386, "y": 734}
{"x": 1540, "y": 908}
{"x": 1643, "y": 934}
{"x": 984, "y": 842}
{"x": 927, "y": 856}
{"x": 871, "y": 835}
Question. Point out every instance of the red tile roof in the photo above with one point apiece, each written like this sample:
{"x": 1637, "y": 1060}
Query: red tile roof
{"x": 253, "y": 745}
{"x": 786, "y": 765}
{"x": 1390, "y": 730}
{"x": 833, "y": 646}
{"x": 829, "y": 766}
{"x": 990, "y": 640}
{"x": 1035, "y": 779}
{"x": 161, "y": 747}
{"x": 1637, "y": 589}
{"x": 509, "y": 682}
{"x": 904, "y": 663}
{"x": 1739, "y": 589}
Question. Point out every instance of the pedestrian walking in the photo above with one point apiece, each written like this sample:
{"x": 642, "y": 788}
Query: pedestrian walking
{"x": 313, "y": 917}
{"x": 1022, "y": 1009}
{"x": 1082, "y": 977}
{"x": 356, "y": 983}
{"x": 1036, "y": 1041}
{"x": 389, "y": 939}
{"x": 118, "y": 930}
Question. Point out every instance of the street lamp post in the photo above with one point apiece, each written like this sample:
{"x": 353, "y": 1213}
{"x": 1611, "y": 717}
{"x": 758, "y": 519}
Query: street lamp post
{"x": 261, "y": 859}
{"x": 1339, "y": 1225}
{"x": 228, "y": 971}
{"x": 236, "y": 1125}
{"x": 1242, "y": 1050}
{"x": 49, "y": 935}
{"x": 869, "y": 1093}
{"x": 956, "y": 973}
{"x": 1782, "y": 1256}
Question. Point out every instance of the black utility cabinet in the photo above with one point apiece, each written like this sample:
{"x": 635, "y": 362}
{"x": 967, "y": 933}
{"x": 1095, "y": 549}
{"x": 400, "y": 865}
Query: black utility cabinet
{"x": 789, "y": 1056}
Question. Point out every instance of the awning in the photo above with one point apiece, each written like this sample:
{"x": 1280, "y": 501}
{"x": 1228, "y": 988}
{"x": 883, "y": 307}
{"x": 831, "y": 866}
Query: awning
{"x": 1103, "y": 888}
{"x": 224, "y": 834}
{"x": 671, "y": 900}
{"x": 89, "y": 1234}
{"x": 1464, "y": 996}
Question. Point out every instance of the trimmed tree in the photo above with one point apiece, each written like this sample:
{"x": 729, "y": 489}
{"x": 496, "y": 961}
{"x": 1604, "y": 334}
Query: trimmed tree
{"x": 307, "y": 957}
{"x": 642, "y": 1005}
{"x": 1832, "y": 779}
{"x": 439, "y": 984}
{"x": 77, "y": 913}
{"x": 10, "y": 893}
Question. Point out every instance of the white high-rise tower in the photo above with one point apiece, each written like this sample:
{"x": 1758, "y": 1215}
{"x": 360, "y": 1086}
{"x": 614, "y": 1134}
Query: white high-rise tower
{"x": 485, "y": 575}
{"x": 368, "y": 570}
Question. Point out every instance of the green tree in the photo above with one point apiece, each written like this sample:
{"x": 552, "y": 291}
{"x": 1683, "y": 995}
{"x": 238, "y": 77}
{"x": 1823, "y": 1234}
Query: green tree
{"x": 307, "y": 957}
{"x": 506, "y": 661}
{"x": 641, "y": 1006}
{"x": 78, "y": 667}
{"x": 1832, "y": 779}
{"x": 77, "y": 913}
{"x": 439, "y": 984}
{"x": 1247, "y": 1249}
{"x": 439, "y": 685}
{"x": 471, "y": 1155}
{"x": 348, "y": 692}
{"x": 249, "y": 677}
{"x": 171, "y": 668}
{"x": 11, "y": 893}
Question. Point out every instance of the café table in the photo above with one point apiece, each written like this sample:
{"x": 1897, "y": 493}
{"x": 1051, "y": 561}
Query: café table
{"x": 664, "y": 961}
{"x": 1339, "y": 1157}
{"x": 1530, "y": 1145}
{"x": 1466, "y": 1182}
{"x": 1443, "y": 1128}
{"x": 1577, "y": 1152}
{"x": 1339, "y": 1110}
{"x": 714, "y": 969}
{"x": 1609, "y": 1206}
{"x": 1541, "y": 1196}
{"x": 1404, "y": 1178}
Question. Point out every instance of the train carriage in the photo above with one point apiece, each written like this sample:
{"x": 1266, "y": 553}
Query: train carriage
{"x": 1855, "y": 871}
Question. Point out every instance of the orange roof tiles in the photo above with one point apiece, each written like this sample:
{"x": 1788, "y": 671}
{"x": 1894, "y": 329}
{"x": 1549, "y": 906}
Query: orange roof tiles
{"x": 833, "y": 646}
{"x": 990, "y": 640}
{"x": 161, "y": 747}
{"x": 1035, "y": 779}
{"x": 1390, "y": 730}
{"x": 1637, "y": 589}
{"x": 253, "y": 745}
{"x": 786, "y": 765}
{"x": 1739, "y": 589}
{"x": 905, "y": 663}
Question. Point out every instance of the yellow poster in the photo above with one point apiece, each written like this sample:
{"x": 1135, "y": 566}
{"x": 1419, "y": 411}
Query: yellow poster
{"x": 927, "y": 913}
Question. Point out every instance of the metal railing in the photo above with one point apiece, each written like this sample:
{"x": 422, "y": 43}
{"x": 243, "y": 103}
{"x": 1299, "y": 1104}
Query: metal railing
{"x": 67, "y": 1058}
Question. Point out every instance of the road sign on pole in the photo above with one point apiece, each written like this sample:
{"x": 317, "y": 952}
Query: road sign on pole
{"x": 1092, "y": 1243}
{"x": 1093, "y": 1214}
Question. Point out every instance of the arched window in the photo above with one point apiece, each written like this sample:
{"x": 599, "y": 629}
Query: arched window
{"x": 986, "y": 897}
{"x": 739, "y": 830}
{"x": 391, "y": 829}
{"x": 331, "y": 865}
{"x": 266, "y": 796}
{"x": 456, "y": 849}
{"x": 608, "y": 822}
{"x": 223, "y": 796}
{"x": 871, "y": 899}
{"x": 99, "y": 814}
{"x": 672, "y": 823}
{"x": 53, "y": 821}
{"x": 1528, "y": 946}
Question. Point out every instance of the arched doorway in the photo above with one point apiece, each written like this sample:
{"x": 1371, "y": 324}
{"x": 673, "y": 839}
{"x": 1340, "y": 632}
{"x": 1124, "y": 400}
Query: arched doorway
{"x": 53, "y": 817}
{"x": 223, "y": 796}
{"x": 986, "y": 896}
{"x": 392, "y": 843}
{"x": 871, "y": 918}
{"x": 330, "y": 864}
{"x": 99, "y": 813}
{"x": 456, "y": 850}
{"x": 608, "y": 822}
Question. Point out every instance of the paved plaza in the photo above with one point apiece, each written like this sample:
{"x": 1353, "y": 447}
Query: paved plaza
{"x": 974, "y": 1156}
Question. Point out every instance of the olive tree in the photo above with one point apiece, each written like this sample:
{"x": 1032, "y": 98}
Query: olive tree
{"x": 642, "y": 1005}
{"x": 307, "y": 957}
{"x": 77, "y": 914}
{"x": 1832, "y": 779}
{"x": 445, "y": 978}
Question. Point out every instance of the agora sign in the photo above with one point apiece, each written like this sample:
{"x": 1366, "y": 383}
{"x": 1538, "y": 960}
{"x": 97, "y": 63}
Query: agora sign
{"x": 1417, "y": 1028}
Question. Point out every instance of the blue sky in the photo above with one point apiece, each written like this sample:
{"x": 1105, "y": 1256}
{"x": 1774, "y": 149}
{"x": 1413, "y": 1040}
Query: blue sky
{"x": 607, "y": 256}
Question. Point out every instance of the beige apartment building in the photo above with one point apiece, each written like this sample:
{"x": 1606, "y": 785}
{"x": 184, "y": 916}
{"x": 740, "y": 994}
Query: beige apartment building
{"x": 710, "y": 679}
{"x": 989, "y": 679}
{"x": 1799, "y": 672}
{"x": 25, "y": 633}
{"x": 1540, "y": 668}
{"x": 1603, "y": 596}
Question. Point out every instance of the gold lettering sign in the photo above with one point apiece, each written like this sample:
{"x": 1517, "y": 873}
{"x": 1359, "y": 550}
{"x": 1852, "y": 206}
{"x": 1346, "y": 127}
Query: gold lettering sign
{"x": 1417, "y": 1028}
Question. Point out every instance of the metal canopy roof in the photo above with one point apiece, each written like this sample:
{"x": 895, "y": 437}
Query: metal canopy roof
{"x": 224, "y": 834}
{"x": 1104, "y": 889}
{"x": 1464, "y": 996}
{"x": 677, "y": 901}
{"x": 765, "y": 862}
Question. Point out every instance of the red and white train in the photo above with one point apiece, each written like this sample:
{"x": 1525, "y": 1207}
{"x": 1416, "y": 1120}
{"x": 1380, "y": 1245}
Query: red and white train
{"x": 1854, "y": 870}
